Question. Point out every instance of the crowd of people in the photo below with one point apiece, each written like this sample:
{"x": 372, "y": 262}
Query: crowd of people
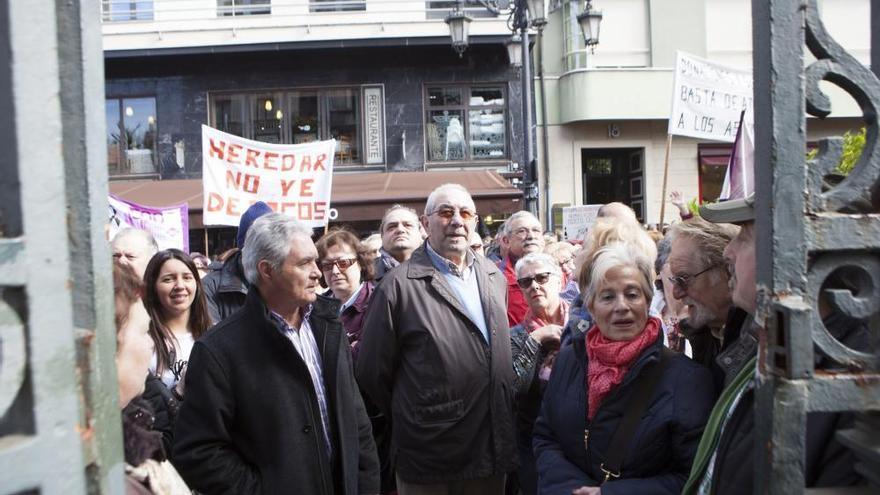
{"x": 425, "y": 360}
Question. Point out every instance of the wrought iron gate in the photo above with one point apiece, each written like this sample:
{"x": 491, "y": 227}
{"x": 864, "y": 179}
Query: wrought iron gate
{"x": 59, "y": 418}
{"x": 806, "y": 230}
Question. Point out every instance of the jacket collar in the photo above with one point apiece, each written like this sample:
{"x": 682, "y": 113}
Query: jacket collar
{"x": 420, "y": 266}
{"x": 232, "y": 275}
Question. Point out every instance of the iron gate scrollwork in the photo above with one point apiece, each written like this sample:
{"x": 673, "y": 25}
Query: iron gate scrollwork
{"x": 818, "y": 245}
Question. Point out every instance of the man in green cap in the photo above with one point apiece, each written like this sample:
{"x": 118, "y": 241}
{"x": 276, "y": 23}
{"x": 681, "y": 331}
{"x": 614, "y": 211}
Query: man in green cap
{"x": 724, "y": 463}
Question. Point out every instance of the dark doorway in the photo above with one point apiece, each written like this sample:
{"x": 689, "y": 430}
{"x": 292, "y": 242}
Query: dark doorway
{"x": 614, "y": 174}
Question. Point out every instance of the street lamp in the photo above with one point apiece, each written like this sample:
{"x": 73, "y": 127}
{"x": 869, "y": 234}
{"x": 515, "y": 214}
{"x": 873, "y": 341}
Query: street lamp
{"x": 514, "y": 50}
{"x": 589, "y": 20}
{"x": 459, "y": 25}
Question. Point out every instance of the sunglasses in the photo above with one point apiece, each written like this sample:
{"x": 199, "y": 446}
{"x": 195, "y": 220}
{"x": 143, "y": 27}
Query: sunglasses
{"x": 342, "y": 263}
{"x": 447, "y": 212}
{"x": 682, "y": 281}
{"x": 526, "y": 282}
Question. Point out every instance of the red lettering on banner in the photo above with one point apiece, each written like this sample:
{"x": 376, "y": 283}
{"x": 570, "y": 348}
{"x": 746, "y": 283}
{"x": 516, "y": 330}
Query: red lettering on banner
{"x": 305, "y": 188}
{"x": 320, "y": 210}
{"x": 288, "y": 162}
{"x": 214, "y": 150}
{"x": 233, "y": 180}
{"x": 285, "y": 206}
{"x": 319, "y": 162}
{"x": 306, "y": 164}
{"x": 251, "y": 160}
{"x": 232, "y": 153}
{"x": 286, "y": 185}
{"x": 268, "y": 161}
{"x": 232, "y": 207}
{"x": 251, "y": 183}
{"x": 308, "y": 213}
{"x": 215, "y": 202}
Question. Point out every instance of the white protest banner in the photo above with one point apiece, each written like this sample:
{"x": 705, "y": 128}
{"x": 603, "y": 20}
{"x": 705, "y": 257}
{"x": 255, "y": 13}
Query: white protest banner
{"x": 708, "y": 98}
{"x": 293, "y": 179}
{"x": 169, "y": 225}
{"x": 577, "y": 221}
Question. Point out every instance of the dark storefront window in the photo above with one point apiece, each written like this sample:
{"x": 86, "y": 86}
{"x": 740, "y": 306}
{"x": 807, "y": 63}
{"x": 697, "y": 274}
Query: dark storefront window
{"x": 294, "y": 117}
{"x": 336, "y": 5}
{"x": 131, "y": 136}
{"x": 465, "y": 123}
{"x": 227, "y": 8}
{"x": 127, "y": 10}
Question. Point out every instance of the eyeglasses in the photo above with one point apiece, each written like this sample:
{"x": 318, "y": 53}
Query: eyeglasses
{"x": 525, "y": 231}
{"x": 682, "y": 281}
{"x": 342, "y": 263}
{"x": 526, "y": 282}
{"x": 447, "y": 212}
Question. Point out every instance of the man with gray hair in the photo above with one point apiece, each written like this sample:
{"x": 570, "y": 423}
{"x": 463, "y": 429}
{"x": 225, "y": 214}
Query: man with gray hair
{"x": 134, "y": 247}
{"x": 271, "y": 401}
{"x": 435, "y": 359}
{"x": 522, "y": 234}
{"x": 701, "y": 281}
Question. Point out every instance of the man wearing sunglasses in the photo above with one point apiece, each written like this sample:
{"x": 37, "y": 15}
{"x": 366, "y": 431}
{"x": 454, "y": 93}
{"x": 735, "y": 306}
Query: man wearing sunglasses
{"x": 435, "y": 358}
{"x": 700, "y": 280}
{"x": 522, "y": 234}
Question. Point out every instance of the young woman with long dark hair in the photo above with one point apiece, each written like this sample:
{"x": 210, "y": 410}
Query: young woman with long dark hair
{"x": 175, "y": 301}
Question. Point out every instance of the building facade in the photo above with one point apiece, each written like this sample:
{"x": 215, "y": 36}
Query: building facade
{"x": 607, "y": 109}
{"x": 379, "y": 76}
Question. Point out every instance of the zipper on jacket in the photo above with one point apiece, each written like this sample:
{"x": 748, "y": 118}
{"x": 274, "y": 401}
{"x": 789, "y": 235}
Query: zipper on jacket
{"x": 586, "y": 439}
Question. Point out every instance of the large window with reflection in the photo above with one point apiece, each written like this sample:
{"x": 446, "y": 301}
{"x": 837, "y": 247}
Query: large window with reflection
{"x": 295, "y": 116}
{"x": 131, "y": 136}
{"x": 465, "y": 123}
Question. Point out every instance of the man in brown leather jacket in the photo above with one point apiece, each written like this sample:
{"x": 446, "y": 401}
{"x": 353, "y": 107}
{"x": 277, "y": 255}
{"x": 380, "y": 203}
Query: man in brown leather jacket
{"x": 435, "y": 358}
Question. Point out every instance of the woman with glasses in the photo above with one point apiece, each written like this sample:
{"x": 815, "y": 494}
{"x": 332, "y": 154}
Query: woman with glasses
{"x": 347, "y": 273}
{"x": 621, "y": 414}
{"x": 534, "y": 344}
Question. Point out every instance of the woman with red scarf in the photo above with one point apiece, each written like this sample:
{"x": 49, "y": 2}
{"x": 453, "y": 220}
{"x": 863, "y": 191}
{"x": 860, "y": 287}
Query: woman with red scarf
{"x": 592, "y": 386}
{"x": 534, "y": 344}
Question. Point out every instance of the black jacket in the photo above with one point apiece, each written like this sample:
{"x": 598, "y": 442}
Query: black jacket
{"x": 827, "y": 462}
{"x": 251, "y": 423}
{"x": 660, "y": 454}
{"x": 426, "y": 365}
{"x": 225, "y": 289}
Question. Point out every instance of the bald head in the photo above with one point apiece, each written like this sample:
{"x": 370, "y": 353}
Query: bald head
{"x": 134, "y": 247}
{"x": 618, "y": 211}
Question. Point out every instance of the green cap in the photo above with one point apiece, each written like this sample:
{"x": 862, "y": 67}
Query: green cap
{"x": 731, "y": 211}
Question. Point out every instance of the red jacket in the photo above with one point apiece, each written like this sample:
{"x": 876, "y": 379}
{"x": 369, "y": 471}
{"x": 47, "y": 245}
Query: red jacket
{"x": 516, "y": 301}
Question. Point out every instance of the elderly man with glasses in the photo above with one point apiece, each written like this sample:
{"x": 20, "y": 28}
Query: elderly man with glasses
{"x": 701, "y": 281}
{"x": 435, "y": 359}
{"x": 522, "y": 234}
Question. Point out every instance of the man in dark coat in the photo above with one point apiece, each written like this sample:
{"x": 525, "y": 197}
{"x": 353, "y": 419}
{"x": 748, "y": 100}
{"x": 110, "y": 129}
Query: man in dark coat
{"x": 728, "y": 467}
{"x": 226, "y": 289}
{"x": 401, "y": 235}
{"x": 435, "y": 359}
{"x": 271, "y": 401}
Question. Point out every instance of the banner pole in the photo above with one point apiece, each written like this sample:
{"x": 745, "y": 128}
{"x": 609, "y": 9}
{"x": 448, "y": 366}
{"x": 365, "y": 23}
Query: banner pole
{"x": 665, "y": 177}
{"x": 207, "y": 249}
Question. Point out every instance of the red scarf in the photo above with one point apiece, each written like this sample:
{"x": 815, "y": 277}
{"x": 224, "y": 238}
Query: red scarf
{"x": 609, "y": 360}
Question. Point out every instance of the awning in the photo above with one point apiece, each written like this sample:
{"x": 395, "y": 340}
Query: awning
{"x": 357, "y": 196}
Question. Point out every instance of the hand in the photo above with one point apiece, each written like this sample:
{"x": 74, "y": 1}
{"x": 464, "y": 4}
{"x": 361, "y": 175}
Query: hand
{"x": 181, "y": 384}
{"x": 587, "y": 490}
{"x": 678, "y": 200}
{"x": 548, "y": 336}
